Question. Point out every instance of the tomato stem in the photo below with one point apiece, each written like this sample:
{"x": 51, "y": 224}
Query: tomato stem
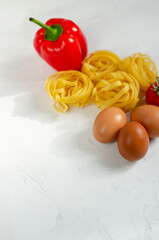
{"x": 156, "y": 86}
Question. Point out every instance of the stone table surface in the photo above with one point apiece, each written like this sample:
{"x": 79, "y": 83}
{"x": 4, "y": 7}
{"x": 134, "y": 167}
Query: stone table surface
{"x": 56, "y": 181}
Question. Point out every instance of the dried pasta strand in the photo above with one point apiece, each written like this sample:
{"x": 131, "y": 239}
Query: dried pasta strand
{"x": 69, "y": 88}
{"x": 100, "y": 63}
{"x": 118, "y": 89}
{"x": 141, "y": 67}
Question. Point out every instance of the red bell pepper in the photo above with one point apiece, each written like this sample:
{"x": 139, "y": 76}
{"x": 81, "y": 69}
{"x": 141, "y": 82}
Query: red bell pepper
{"x": 60, "y": 43}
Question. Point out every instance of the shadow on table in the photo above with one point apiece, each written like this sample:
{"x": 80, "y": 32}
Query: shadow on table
{"x": 35, "y": 105}
{"x": 85, "y": 150}
{"x": 25, "y": 85}
{"x": 106, "y": 155}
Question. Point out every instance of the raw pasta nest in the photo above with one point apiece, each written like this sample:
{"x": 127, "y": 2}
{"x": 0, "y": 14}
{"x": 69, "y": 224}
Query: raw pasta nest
{"x": 118, "y": 89}
{"x": 69, "y": 88}
{"x": 100, "y": 63}
{"x": 104, "y": 79}
{"x": 141, "y": 67}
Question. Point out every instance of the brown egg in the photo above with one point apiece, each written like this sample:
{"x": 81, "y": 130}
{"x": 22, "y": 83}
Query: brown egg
{"x": 148, "y": 116}
{"x": 108, "y": 123}
{"x": 133, "y": 141}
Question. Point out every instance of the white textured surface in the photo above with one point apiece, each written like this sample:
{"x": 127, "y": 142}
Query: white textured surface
{"x": 56, "y": 181}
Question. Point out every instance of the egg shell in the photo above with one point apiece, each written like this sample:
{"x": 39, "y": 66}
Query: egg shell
{"x": 108, "y": 124}
{"x": 148, "y": 116}
{"x": 133, "y": 141}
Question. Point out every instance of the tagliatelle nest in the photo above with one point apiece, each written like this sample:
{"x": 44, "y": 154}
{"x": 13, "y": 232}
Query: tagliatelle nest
{"x": 100, "y": 63}
{"x": 69, "y": 88}
{"x": 118, "y": 89}
{"x": 141, "y": 67}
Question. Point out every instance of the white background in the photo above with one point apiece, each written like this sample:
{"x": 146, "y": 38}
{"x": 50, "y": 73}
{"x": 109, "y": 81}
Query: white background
{"x": 56, "y": 181}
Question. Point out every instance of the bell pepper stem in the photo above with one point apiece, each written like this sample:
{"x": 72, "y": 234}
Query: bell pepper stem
{"x": 52, "y": 32}
{"x": 46, "y": 27}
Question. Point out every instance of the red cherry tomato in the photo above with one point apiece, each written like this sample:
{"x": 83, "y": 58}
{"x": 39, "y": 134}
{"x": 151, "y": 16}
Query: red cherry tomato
{"x": 152, "y": 94}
